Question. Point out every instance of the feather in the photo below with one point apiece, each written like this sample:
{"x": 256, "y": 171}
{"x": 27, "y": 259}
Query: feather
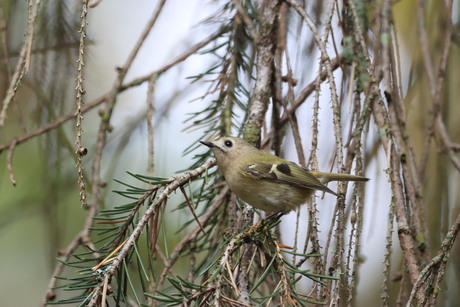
{"x": 287, "y": 173}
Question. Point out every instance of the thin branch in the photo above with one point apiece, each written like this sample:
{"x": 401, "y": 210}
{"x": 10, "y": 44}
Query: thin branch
{"x": 150, "y": 128}
{"x": 151, "y": 166}
{"x": 5, "y": 46}
{"x": 9, "y": 162}
{"x": 53, "y": 125}
{"x": 387, "y": 257}
{"x": 23, "y": 62}
{"x": 80, "y": 150}
{"x": 81, "y": 238}
{"x": 190, "y": 206}
{"x": 448, "y": 144}
{"x": 423, "y": 41}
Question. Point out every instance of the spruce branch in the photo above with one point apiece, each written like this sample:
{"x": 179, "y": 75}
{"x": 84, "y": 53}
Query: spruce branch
{"x": 175, "y": 183}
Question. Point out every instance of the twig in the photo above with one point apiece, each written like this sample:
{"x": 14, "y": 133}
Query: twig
{"x": 448, "y": 144}
{"x": 313, "y": 225}
{"x": 423, "y": 40}
{"x": 231, "y": 247}
{"x": 80, "y": 151}
{"x": 244, "y": 267}
{"x": 150, "y": 128}
{"x": 5, "y": 46}
{"x": 23, "y": 62}
{"x": 402, "y": 140}
{"x": 190, "y": 205}
{"x": 151, "y": 166}
{"x": 9, "y": 162}
{"x": 387, "y": 257}
{"x": 293, "y": 120}
{"x": 104, "y": 291}
{"x": 356, "y": 220}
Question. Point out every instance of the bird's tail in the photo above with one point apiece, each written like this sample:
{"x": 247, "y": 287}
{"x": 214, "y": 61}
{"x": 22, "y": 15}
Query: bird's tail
{"x": 326, "y": 177}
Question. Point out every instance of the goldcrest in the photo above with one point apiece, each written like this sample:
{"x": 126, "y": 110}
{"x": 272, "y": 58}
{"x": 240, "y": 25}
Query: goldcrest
{"x": 268, "y": 182}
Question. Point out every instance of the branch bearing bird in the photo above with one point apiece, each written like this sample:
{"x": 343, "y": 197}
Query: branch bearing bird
{"x": 268, "y": 182}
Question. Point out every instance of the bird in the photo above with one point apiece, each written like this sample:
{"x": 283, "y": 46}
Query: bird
{"x": 266, "y": 181}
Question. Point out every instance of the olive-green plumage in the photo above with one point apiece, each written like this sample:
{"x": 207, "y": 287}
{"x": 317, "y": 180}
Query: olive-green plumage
{"x": 266, "y": 181}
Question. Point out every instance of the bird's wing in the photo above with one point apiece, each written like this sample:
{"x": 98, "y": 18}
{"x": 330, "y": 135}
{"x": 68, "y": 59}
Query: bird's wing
{"x": 288, "y": 173}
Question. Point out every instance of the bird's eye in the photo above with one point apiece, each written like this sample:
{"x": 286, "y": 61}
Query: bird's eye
{"x": 228, "y": 143}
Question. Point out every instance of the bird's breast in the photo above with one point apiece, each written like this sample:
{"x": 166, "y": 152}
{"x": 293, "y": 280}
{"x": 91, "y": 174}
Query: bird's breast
{"x": 267, "y": 195}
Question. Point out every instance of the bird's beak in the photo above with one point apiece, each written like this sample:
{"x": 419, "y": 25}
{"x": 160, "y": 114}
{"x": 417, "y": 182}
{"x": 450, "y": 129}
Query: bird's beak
{"x": 209, "y": 144}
